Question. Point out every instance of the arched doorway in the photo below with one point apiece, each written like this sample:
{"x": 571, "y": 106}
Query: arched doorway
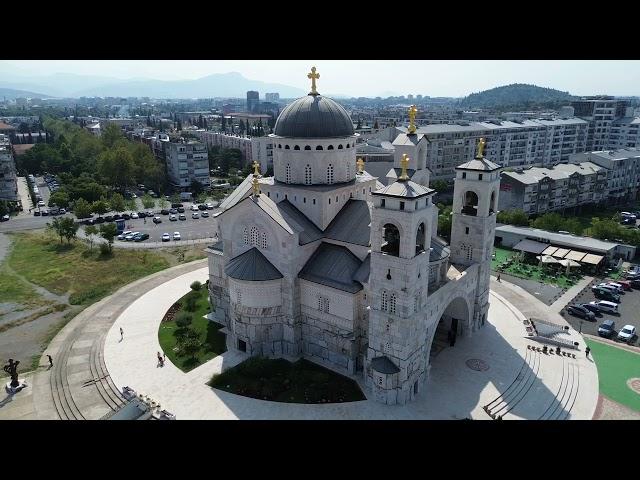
{"x": 391, "y": 240}
{"x": 470, "y": 206}
{"x": 453, "y": 322}
{"x": 420, "y": 237}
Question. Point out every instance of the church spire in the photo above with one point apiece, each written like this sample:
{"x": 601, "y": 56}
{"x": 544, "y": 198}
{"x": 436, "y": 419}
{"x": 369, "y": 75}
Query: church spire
{"x": 412, "y": 120}
{"x": 481, "y": 145}
{"x": 313, "y": 76}
{"x": 404, "y": 163}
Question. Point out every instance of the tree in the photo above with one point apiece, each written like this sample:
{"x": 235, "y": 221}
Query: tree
{"x": 513, "y": 217}
{"x": 64, "y": 227}
{"x": 440, "y": 185}
{"x": 82, "y": 208}
{"x": 375, "y": 125}
{"x": 196, "y": 286}
{"x": 148, "y": 201}
{"x": 196, "y": 187}
{"x": 59, "y": 198}
{"x": 108, "y": 231}
{"x": 183, "y": 319}
{"x": 100, "y": 207}
{"x": 359, "y": 125}
{"x": 188, "y": 345}
{"x": 117, "y": 168}
{"x": 117, "y": 202}
{"x": 444, "y": 221}
{"x": 111, "y": 135}
{"x": 91, "y": 231}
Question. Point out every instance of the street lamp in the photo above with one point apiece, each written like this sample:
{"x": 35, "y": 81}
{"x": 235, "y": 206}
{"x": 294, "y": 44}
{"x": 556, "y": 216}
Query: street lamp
{"x": 581, "y": 321}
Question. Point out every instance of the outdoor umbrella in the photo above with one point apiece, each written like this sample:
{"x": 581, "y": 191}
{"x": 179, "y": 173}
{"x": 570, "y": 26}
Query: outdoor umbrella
{"x": 547, "y": 259}
{"x": 569, "y": 263}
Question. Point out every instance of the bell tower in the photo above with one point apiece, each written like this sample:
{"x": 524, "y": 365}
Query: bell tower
{"x": 401, "y": 230}
{"x": 475, "y": 200}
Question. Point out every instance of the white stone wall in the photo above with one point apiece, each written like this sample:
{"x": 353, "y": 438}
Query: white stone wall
{"x": 342, "y": 305}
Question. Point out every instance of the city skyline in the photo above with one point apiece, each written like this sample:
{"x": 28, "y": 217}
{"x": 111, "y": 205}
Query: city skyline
{"x": 367, "y": 78}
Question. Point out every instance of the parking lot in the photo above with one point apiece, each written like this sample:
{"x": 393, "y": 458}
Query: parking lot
{"x": 629, "y": 312}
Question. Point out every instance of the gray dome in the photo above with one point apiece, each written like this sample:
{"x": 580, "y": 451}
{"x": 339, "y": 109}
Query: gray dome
{"x": 314, "y": 116}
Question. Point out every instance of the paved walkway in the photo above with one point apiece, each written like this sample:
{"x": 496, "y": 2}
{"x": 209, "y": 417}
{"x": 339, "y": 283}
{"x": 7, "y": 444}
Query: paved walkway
{"x": 519, "y": 383}
{"x": 568, "y": 296}
{"x": 78, "y": 386}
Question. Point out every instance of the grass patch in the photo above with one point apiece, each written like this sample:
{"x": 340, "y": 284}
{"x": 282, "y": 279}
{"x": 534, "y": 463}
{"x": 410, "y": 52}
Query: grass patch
{"x": 279, "y": 380}
{"x": 212, "y": 340}
{"x": 85, "y": 275}
{"x": 13, "y": 289}
{"x": 615, "y": 367}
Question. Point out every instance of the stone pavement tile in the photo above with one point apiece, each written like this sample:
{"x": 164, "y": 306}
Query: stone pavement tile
{"x": 81, "y": 343}
{"x": 82, "y": 359}
{"x": 78, "y": 367}
{"x": 80, "y": 351}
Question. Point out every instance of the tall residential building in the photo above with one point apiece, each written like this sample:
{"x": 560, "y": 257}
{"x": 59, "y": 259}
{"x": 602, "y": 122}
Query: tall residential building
{"x": 228, "y": 140}
{"x": 262, "y": 152}
{"x": 187, "y": 162}
{"x": 539, "y": 190}
{"x": 272, "y": 97}
{"x": 600, "y": 112}
{"x": 253, "y": 100}
{"x": 8, "y": 178}
{"x": 625, "y": 133}
{"x": 623, "y": 167}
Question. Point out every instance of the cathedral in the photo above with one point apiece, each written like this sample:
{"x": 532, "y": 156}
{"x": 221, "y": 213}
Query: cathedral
{"x": 325, "y": 262}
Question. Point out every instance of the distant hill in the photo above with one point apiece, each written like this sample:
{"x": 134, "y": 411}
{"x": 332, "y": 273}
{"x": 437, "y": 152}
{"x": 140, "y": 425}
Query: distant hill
{"x": 11, "y": 93}
{"x": 231, "y": 84}
{"x": 517, "y": 96}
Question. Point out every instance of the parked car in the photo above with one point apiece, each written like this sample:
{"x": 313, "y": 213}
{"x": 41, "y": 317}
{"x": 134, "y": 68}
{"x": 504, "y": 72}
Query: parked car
{"x": 604, "y": 294}
{"x": 607, "y": 328}
{"x": 166, "y": 237}
{"x": 627, "y": 333}
{"x": 36, "y": 213}
{"x": 46, "y": 212}
{"x": 205, "y": 214}
{"x": 635, "y": 283}
{"x": 180, "y": 209}
{"x": 592, "y": 308}
{"x": 210, "y": 206}
{"x": 173, "y": 218}
{"x": 108, "y": 218}
{"x": 176, "y": 205}
{"x": 626, "y": 284}
{"x": 173, "y": 210}
{"x": 126, "y": 216}
{"x": 141, "y": 237}
{"x": 149, "y": 213}
{"x": 202, "y": 206}
{"x": 4, "y": 218}
{"x": 131, "y": 236}
{"x": 164, "y": 211}
{"x": 41, "y": 204}
{"x": 195, "y": 215}
{"x": 99, "y": 220}
{"x": 194, "y": 208}
{"x": 605, "y": 306}
{"x": 617, "y": 286}
{"x": 124, "y": 234}
{"x": 117, "y": 216}
{"x": 182, "y": 216}
{"x": 134, "y": 215}
{"x": 157, "y": 220}
{"x": 176, "y": 236}
{"x": 613, "y": 288}
{"x": 580, "y": 311}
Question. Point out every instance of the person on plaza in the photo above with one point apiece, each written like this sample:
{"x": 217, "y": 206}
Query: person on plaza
{"x": 160, "y": 360}
{"x": 587, "y": 350}
{"x": 50, "y": 361}
{"x": 121, "y": 333}
{"x": 498, "y": 279}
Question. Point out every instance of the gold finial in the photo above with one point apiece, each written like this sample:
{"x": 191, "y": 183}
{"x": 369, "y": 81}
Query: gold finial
{"x": 256, "y": 167}
{"x": 360, "y": 164}
{"x": 256, "y": 187}
{"x": 313, "y": 76}
{"x": 412, "y": 119}
{"x": 404, "y": 163}
{"x": 481, "y": 145}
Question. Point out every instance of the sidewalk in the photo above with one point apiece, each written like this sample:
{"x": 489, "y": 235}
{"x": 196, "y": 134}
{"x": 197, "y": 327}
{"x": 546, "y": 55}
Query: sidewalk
{"x": 570, "y": 294}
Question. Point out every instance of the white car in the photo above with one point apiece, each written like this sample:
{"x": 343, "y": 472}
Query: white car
{"x": 210, "y": 206}
{"x": 195, "y": 215}
{"x": 134, "y": 215}
{"x": 133, "y": 195}
{"x": 124, "y": 234}
{"x": 618, "y": 286}
{"x": 42, "y": 204}
{"x": 166, "y": 237}
{"x": 130, "y": 237}
{"x": 176, "y": 236}
{"x": 627, "y": 333}
{"x": 194, "y": 208}
{"x": 604, "y": 306}
{"x": 173, "y": 218}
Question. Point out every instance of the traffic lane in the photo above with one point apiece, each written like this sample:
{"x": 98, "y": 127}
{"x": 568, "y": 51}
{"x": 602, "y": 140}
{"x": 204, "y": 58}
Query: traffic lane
{"x": 44, "y": 189}
{"x": 28, "y": 222}
{"x": 190, "y": 229}
{"x": 628, "y": 307}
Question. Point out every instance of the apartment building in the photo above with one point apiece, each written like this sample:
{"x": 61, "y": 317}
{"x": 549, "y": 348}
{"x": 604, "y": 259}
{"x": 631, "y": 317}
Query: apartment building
{"x": 623, "y": 167}
{"x": 625, "y": 133}
{"x": 8, "y": 177}
{"x": 262, "y": 152}
{"x": 538, "y": 190}
{"x": 601, "y": 112}
{"x": 186, "y": 162}
{"x": 228, "y": 140}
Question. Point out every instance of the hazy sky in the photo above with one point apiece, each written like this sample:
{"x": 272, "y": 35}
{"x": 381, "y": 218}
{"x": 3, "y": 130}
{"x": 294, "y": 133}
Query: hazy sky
{"x": 374, "y": 77}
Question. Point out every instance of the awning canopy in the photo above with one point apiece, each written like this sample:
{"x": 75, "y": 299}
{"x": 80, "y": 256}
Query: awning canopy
{"x": 592, "y": 259}
{"x": 530, "y": 246}
{"x": 575, "y": 255}
{"x": 548, "y": 259}
{"x": 560, "y": 253}
{"x": 550, "y": 251}
{"x": 569, "y": 263}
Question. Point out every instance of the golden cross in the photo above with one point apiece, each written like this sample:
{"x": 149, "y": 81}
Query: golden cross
{"x": 313, "y": 76}
{"x": 256, "y": 171}
{"x": 412, "y": 119}
{"x": 404, "y": 163}
{"x": 481, "y": 145}
{"x": 360, "y": 164}
{"x": 256, "y": 187}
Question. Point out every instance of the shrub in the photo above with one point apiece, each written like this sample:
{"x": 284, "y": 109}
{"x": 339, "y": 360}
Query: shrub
{"x": 191, "y": 303}
{"x": 196, "y": 286}
{"x": 183, "y": 319}
{"x": 105, "y": 249}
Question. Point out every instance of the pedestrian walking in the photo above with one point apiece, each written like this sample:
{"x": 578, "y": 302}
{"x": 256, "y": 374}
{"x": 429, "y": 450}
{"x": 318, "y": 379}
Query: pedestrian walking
{"x": 121, "y": 333}
{"x": 145, "y": 220}
{"x": 164, "y": 357}
{"x": 498, "y": 278}
{"x": 50, "y": 361}
{"x": 587, "y": 350}
{"x": 160, "y": 360}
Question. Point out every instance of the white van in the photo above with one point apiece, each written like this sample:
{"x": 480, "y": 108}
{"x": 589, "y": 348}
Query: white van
{"x": 609, "y": 287}
{"x": 605, "y": 306}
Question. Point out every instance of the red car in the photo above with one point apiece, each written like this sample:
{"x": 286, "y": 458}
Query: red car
{"x": 626, "y": 284}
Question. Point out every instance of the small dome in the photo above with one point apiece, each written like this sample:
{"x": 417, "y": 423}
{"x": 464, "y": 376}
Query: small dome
{"x": 314, "y": 116}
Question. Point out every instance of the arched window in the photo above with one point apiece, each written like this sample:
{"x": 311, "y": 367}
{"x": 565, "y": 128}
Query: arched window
{"x": 307, "y": 147}
{"x": 340, "y": 147}
{"x": 347, "y": 145}
{"x": 297, "y": 147}
{"x": 319, "y": 147}
{"x": 492, "y": 203}
{"x": 286, "y": 147}
{"x": 263, "y": 241}
{"x": 254, "y": 236}
{"x": 323, "y": 304}
{"x": 384, "y": 301}
{"x": 470, "y": 204}
{"x": 288, "y": 173}
{"x": 330, "y": 147}
{"x": 392, "y": 303}
{"x": 307, "y": 175}
{"x": 330, "y": 173}
{"x": 391, "y": 240}
{"x": 279, "y": 145}
{"x": 420, "y": 236}
{"x": 245, "y": 236}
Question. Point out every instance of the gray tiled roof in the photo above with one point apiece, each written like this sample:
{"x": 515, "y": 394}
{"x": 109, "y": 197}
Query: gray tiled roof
{"x": 352, "y": 224}
{"x": 406, "y": 189}
{"x": 479, "y": 164}
{"x": 533, "y": 175}
{"x": 252, "y": 266}
{"x": 238, "y": 193}
{"x": 305, "y": 228}
{"x": 406, "y": 139}
{"x": 314, "y": 116}
{"x": 384, "y": 365}
{"x": 334, "y": 266}
{"x": 396, "y": 171}
{"x": 362, "y": 274}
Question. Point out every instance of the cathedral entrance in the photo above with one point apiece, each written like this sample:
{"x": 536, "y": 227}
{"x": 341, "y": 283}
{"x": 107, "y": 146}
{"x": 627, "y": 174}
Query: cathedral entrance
{"x": 453, "y": 322}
